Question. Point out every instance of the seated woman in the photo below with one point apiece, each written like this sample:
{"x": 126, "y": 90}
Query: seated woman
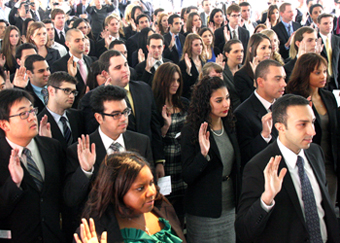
{"x": 275, "y": 45}
{"x": 308, "y": 79}
{"x": 10, "y": 42}
{"x": 162, "y": 24}
{"x": 193, "y": 24}
{"x": 273, "y": 17}
{"x": 208, "y": 38}
{"x": 125, "y": 202}
{"x": 216, "y": 19}
{"x": 259, "y": 49}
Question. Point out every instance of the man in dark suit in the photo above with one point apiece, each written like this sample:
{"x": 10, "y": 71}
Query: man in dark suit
{"x": 232, "y": 30}
{"x": 254, "y": 117}
{"x": 78, "y": 64}
{"x": 315, "y": 10}
{"x": 30, "y": 173}
{"x": 331, "y": 50}
{"x": 206, "y": 5}
{"x": 287, "y": 201}
{"x": 61, "y": 94}
{"x": 285, "y": 28}
{"x": 58, "y": 19}
{"x": 18, "y": 15}
{"x": 146, "y": 69}
{"x": 246, "y": 17}
{"x": 174, "y": 40}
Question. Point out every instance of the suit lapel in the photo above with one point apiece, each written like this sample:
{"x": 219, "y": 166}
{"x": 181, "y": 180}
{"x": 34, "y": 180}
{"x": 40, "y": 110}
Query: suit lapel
{"x": 283, "y": 30}
{"x": 100, "y": 149}
{"x": 74, "y": 126}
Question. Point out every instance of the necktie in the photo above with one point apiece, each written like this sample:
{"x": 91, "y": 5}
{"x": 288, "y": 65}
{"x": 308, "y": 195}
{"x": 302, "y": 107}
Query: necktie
{"x": 116, "y": 147}
{"x": 44, "y": 92}
{"x": 234, "y": 35}
{"x": 82, "y": 70}
{"x": 33, "y": 169}
{"x": 62, "y": 38}
{"x": 338, "y": 27}
{"x": 329, "y": 55}
{"x": 179, "y": 46}
{"x": 289, "y": 30}
{"x": 270, "y": 108}
{"x": 157, "y": 64}
{"x": 66, "y": 131}
{"x": 311, "y": 213}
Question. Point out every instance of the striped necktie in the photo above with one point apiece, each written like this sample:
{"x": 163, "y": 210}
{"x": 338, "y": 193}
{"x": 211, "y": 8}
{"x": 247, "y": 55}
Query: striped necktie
{"x": 33, "y": 169}
{"x": 66, "y": 131}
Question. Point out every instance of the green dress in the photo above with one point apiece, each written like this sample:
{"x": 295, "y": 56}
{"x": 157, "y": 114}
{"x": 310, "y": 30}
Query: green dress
{"x": 140, "y": 236}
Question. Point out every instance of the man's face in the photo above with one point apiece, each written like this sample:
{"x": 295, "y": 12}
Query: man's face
{"x": 22, "y": 11}
{"x": 59, "y": 21}
{"x": 206, "y": 6}
{"x": 315, "y": 13}
{"x": 273, "y": 85}
{"x": 58, "y": 96}
{"x": 175, "y": 27}
{"x": 24, "y": 54}
{"x": 288, "y": 14}
{"x": 50, "y": 31}
{"x": 121, "y": 48}
{"x": 119, "y": 71}
{"x": 156, "y": 48}
{"x": 2, "y": 29}
{"x": 41, "y": 73}
{"x": 326, "y": 25}
{"x": 76, "y": 44}
{"x": 245, "y": 12}
{"x": 234, "y": 18}
{"x": 298, "y": 133}
{"x": 17, "y": 130}
{"x": 110, "y": 126}
{"x": 113, "y": 26}
{"x": 308, "y": 42}
{"x": 33, "y": 6}
{"x": 143, "y": 23}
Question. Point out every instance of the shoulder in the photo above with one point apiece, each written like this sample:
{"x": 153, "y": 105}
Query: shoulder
{"x": 136, "y": 135}
{"x": 140, "y": 65}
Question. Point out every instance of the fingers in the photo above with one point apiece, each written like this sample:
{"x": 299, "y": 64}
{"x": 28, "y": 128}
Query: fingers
{"x": 87, "y": 232}
{"x": 76, "y": 238}
{"x": 14, "y": 158}
{"x": 93, "y": 228}
{"x": 103, "y": 238}
{"x": 87, "y": 142}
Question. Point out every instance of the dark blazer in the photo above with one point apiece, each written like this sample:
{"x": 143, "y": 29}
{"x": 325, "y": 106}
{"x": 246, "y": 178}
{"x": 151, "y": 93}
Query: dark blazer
{"x": 144, "y": 121}
{"x": 282, "y": 34}
{"x": 57, "y": 39}
{"x": 172, "y": 54}
{"x": 76, "y": 122}
{"x": 229, "y": 80}
{"x": 15, "y": 19}
{"x": 131, "y": 46}
{"x": 100, "y": 46}
{"x": 249, "y": 127}
{"x": 289, "y": 66}
{"x": 128, "y": 32}
{"x": 37, "y": 101}
{"x": 285, "y": 221}
{"x": 33, "y": 215}
{"x": 204, "y": 19}
{"x": 144, "y": 75}
{"x": 203, "y": 196}
{"x": 189, "y": 81}
{"x": 61, "y": 65}
{"x": 243, "y": 36}
{"x": 52, "y": 56}
{"x": 244, "y": 84}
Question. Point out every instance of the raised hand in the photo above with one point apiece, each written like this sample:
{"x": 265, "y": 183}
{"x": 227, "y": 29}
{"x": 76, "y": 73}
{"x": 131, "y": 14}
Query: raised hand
{"x": 2, "y": 59}
{"x": 133, "y": 25}
{"x": 150, "y": 62}
{"x": 166, "y": 116}
{"x": 212, "y": 27}
{"x": 45, "y": 127}
{"x": 302, "y": 48}
{"x": 8, "y": 83}
{"x": 187, "y": 63}
{"x": 226, "y": 33}
{"x": 254, "y": 63}
{"x": 319, "y": 46}
{"x": 159, "y": 170}
{"x": 125, "y": 23}
{"x": 203, "y": 139}
{"x": 194, "y": 29}
{"x": 273, "y": 181}
{"x": 141, "y": 56}
{"x": 71, "y": 67}
{"x": 267, "y": 123}
{"x": 173, "y": 41}
{"x": 20, "y": 78}
{"x": 89, "y": 234}
{"x": 86, "y": 155}
{"x": 14, "y": 167}
{"x": 219, "y": 60}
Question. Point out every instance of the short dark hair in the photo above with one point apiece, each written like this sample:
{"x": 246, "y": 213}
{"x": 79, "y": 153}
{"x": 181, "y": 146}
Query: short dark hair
{"x": 142, "y": 16}
{"x": 157, "y": 11}
{"x": 324, "y": 15}
{"x": 116, "y": 42}
{"x": 106, "y": 56}
{"x": 4, "y": 21}
{"x": 8, "y": 97}
{"x": 31, "y": 59}
{"x": 58, "y": 77}
{"x": 172, "y": 17}
{"x": 133, "y": 11}
{"x": 155, "y": 37}
{"x": 56, "y": 11}
{"x": 314, "y": 6}
{"x": 280, "y": 106}
{"x": 25, "y": 46}
{"x": 233, "y": 8}
{"x": 47, "y": 21}
{"x": 283, "y": 7}
{"x": 105, "y": 93}
{"x": 262, "y": 69}
{"x": 191, "y": 8}
{"x": 244, "y": 4}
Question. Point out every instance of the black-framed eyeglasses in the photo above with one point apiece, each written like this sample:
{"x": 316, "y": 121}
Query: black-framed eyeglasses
{"x": 68, "y": 91}
{"x": 24, "y": 115}
{"x": 118, "y": 115}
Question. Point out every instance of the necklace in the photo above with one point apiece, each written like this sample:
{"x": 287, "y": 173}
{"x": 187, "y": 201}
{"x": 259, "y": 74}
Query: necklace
{"x": 146, "y": 229}
{"x": 218, "y": 135}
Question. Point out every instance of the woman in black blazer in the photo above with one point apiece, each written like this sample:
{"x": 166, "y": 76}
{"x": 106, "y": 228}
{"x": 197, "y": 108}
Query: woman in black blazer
{"x": 308, "y": 79}
{"x": 192, "y": 62}
{"x": 211, "y": 164}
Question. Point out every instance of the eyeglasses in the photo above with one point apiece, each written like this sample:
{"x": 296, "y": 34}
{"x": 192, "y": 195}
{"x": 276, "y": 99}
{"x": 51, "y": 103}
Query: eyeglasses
{"x": 24, "y": 115}
{"x": 118, "y": 115}
{"x": 68, "y": 91}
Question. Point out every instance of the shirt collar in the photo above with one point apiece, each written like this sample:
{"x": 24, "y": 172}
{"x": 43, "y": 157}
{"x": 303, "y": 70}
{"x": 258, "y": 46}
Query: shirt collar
{"x": 107, "y": 141}
{"x": 286, "y": 24}
{"x": 289, "y": 156}
{"x": 57, "y": 116}
{"x": 264, "y": 102}
{"x": 173, "y": 34}
{"x": 37, "y": 89}
{"x": 31, "y": 146}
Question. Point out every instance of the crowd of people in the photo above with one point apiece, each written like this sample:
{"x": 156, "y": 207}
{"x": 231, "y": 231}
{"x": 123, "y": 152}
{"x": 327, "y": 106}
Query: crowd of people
{"x": 100, "y": 99}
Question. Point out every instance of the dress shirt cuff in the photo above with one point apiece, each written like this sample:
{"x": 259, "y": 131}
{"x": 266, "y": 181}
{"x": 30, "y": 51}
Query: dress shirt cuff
{"x": 88, "y": 173}
{"x": 160, "y": 161}
{"x": 266, "y": 207}
{"x": 267, "y": 139}
{"x": 287, "y": 48}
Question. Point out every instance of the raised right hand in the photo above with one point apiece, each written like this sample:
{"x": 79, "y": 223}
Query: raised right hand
{"x": 14, "y": 167}
{"x": 89, "y": 234}
{"x": 267, "y": 123}
{"x": 203, "y": 139}
{"x": 86, "y": 155}
{"x": 20, "y": 78}
{"x": 187, "y": 63}
{"x": 226, "y": 33}
{"x": 71, "y": 67}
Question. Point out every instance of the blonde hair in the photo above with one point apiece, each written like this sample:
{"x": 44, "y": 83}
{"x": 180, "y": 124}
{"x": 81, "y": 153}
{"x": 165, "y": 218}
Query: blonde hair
{"x": 275, "y": 55}
{"x": 127, "y": 14}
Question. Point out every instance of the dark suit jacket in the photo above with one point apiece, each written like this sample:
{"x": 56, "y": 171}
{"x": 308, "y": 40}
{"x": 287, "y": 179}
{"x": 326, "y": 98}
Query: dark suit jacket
{"x": 285, "y": 221}
{"x": 61, "y": 65}
{"x": 57, "y": 39}
{"x": 289, "y": 66}
{"x": 172, "y": 54}
{"x": 244, "y": 84}
{"x": 15, "y": 19}
{"x": 144, "y": 75}
{"x": 76, "y": 122}
{"x": 203, "y": 196}
{"x": 37, "y": 101}
{"x": 282, "y": 34}
{"x": 249, "y": 127}
{"x": 31, "y": 215}
{"x": 243, "y": 36}
{"x": 229, "y": 80}
{"x": 128, "y": 32}
{"x": 132, "y": 46}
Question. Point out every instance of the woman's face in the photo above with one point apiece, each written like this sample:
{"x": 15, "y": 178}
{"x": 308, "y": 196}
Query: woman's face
{"x": 317, "y": 78}
{"x": 165, "y": 22}
{"x": 13, "y": 37}
{"x": 196, "y": 47}
{"x": 218, "y": 18}
{"x": 100, "y": 79}
{"x": 87, "y": 46}
{"x": 207, "y": 38}
{"x": 175, "y": 83}
{"x": 82, "y": 27}
{"x": 196, "y": 21}
{"x": 137, "y": 12}
{"x": 219, "y": 103}
{"x": 88, "y": 30}
{"x": 274, "y": 41}
{"x": 275, "y": 15}
{"x": 142, "y": 192}
{"x": 236, "y": 53}
{"x": 264, "y": 50}
{"x": 40, "y": 36}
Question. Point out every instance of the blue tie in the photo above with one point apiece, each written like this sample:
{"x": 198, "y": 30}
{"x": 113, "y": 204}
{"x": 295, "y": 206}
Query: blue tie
{"x": 67, "y": 132}
{"x": 311, "y": 212}
{"x": 289, "y": 30}
{"x": 33, "y": 169}
{"x": 179, "y": 46}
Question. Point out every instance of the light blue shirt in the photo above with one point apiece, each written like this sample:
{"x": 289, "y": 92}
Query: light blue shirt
{"x": 37, "y": 90}
{"x": 286, "y": 27}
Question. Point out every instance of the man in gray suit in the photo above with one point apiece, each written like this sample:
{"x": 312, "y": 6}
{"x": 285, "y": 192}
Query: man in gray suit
{"x": 206, "y": 5}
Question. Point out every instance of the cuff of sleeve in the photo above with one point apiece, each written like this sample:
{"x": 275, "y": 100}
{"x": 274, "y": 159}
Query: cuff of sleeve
{"x": 267, "y": 139}
{"x": 266, "y": 207}
{"x": 160, "y": 161}
{"x": 88, "y": 173}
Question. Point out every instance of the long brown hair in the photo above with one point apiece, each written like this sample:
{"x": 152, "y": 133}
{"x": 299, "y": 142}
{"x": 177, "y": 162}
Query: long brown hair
{"x": 190, "y": 19}
{"x": 271, "y": 11}
{"x": 30, "y": 32}
{"x": 160, "y": 26}
{"x": 6, "y": 48}
{"x": 188, "y": 44}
